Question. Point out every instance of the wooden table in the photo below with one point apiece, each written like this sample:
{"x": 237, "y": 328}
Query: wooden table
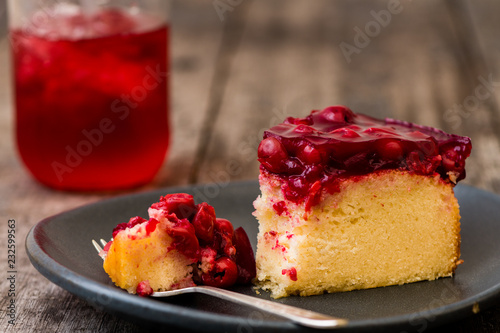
{"x": 240, "y": 68}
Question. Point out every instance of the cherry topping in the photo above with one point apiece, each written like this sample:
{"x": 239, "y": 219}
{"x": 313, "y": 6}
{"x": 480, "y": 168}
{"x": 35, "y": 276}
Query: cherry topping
{"x": 335, "y": 143}
{"x": 203, "y": 222}
{"x": 224, "y": 274}
{"x": 272, "y": 154}
{"x": 310, "y": 155}
{"x": 346, "y": 133}
{"x": 389, "y": 149}
{"x": 245, "y": 259}
{"x": 185, "y": 239}
{"x": 180, "y": 204}
{"x": 224, "y": 235}
{"x": 336, "y": 114}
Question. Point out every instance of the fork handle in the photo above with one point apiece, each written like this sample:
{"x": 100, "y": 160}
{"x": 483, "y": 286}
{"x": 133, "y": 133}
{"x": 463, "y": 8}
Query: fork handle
{"x": 297, "y": 315}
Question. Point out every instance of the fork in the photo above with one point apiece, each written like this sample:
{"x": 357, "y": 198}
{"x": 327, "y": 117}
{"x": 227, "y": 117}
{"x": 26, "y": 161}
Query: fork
{"x": 296, "y": 315}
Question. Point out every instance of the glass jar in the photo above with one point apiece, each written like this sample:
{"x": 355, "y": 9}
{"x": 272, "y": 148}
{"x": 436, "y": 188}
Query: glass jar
{"x": 91, "y": 90}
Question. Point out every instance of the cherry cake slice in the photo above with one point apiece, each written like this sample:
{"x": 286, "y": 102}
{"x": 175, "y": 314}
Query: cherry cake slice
{"x": 353, "y": 202}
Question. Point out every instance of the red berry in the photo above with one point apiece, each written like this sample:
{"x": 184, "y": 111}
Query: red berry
{"x": 293, "y": 167}
{"x": 144, "y": 289}
{"x": 224, "y": 274}
{"x": 151, "y": 226}
{"x": 185, "y": 240}
{"x": 203, "y": 222}
{"x": 245, "y": 258}
{"x": 449, "y": 164}
{"x": 272, "y": 154}
{"x": 180, "y": 204}
{"x": 224, "y": 240}
{"x": 310, "y": 155}
{"x": 336, "y": 114}
{"x": 224, "y": 227}
{"x": 390, "y": 149}
{"x": 450, "y": 159}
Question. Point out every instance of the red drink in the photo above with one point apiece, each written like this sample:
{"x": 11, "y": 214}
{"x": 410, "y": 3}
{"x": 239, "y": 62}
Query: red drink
{"x": 91, "y": 97}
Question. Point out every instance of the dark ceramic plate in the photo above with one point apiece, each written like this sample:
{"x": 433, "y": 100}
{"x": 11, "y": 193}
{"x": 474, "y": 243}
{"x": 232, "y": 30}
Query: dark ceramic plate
{"x": 60, "y": 248}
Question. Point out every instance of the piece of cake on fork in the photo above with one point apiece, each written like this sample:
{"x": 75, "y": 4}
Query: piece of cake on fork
{"x": 352, "y": 202}
{"x": 183, "y": 244}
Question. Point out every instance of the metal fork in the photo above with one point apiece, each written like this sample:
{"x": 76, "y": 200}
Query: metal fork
{"x": 296, "y": 315}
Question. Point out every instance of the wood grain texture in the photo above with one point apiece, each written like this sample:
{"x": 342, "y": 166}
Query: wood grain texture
{"x": 266, "y": 60}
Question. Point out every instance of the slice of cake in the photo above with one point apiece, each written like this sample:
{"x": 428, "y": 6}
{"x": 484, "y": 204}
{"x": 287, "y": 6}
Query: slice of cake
{"x": 181, "y": 245}
{"x": 352, "y": 202}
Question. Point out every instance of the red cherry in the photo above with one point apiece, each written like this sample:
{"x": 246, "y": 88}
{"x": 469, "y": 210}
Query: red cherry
{"x": 450, "y": 159}
{"x": 224, "y": 274}
{"x": 390, "y": 149}
{"x": 449, "y": 164}
{"x": 151, "y": 225}
{"x": 293, "y": 167}
{"x": 203, "y": 222}
{"x": 180, "y": 204}
{"x": 144, "y": 289}
{"x": 185, "y": 239}
{"x": 224, "y": 243}
{"x": 224, "y": 227}
{"x": 336, "y": 114}
{"x": 310, "y": 155}
{"x": 245, "y": 258}
{"x": 272, "y": 154}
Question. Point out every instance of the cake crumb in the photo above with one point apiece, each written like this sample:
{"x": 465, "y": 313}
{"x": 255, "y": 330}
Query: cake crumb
{"x": 475, "y": 308}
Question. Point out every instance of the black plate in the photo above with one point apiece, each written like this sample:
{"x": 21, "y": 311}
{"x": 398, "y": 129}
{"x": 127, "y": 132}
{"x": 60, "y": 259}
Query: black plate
{"x": 60, "y": 248}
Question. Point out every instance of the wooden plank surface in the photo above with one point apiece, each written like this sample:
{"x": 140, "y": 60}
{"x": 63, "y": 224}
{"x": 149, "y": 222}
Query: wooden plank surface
{"x": 237, "y": 74}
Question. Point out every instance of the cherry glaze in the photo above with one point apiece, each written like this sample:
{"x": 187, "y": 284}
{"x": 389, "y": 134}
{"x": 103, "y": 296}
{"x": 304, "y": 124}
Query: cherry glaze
{"x": 320, "y": 150}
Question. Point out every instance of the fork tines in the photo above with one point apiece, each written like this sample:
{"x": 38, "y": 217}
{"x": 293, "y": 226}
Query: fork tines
{"x": 99, "y": 249}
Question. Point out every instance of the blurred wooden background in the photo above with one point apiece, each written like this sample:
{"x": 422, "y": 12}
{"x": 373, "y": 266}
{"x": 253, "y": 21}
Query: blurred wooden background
{"x": 239, "y": 67}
